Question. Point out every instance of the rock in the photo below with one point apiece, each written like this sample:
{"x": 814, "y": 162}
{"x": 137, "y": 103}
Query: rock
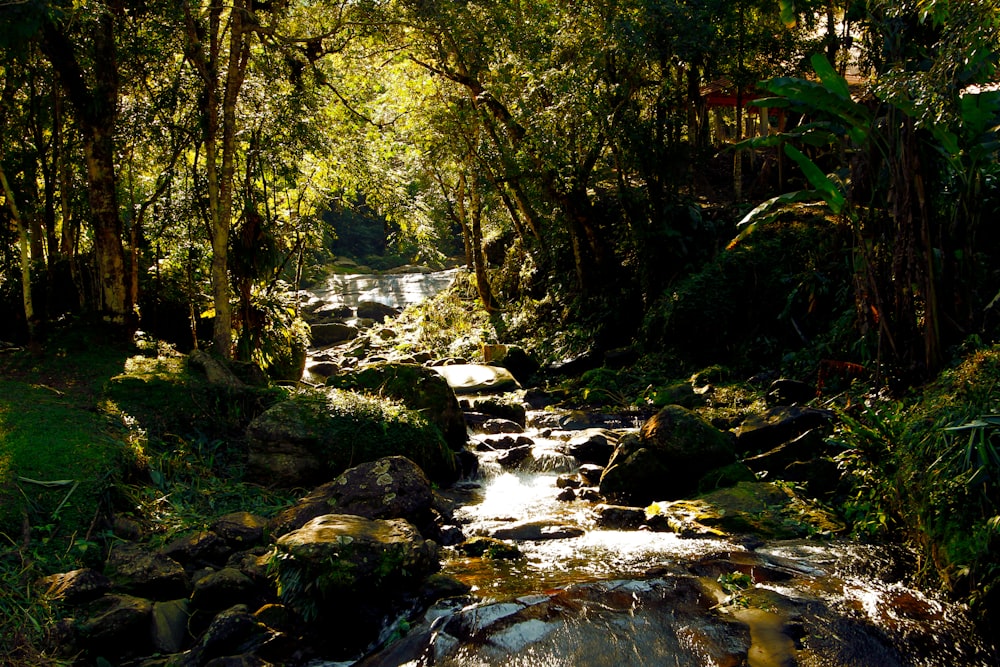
{"x": 76, "y": 587}
{"x": 514, "y": 457}
{"x": 214, "y": 369}
{"x": 762, "y": 509}
{"x": 320, "y": 433}
{"x": 138, "y": 571}
{"x": 389, "y": 488}
{"x": 592, "y": 446}
{"x": 490, "y": 548}
{"x": 416, "y": 387}
{"x": 342, "y": 556}
{"x": 591, "y": 473}
{"x": 449, "y": 536}
{"x": 778, "y": 425}
{"x": 439, "y": 586}
{"x": 169, "y": 632}
{"x": 116, "y": 627}
{"x": 240, "y": 530}
{"x": 232, "y": 632}
{"x": 618, "y": 517}
{"x": 536, "y": 531}
{"x": 373, "y": 310}
{"x": 789, "y": 392}
{"x": 567, "y": 482}
{"x": 478, "y": 379}
{"x": 674, "y": 449}
{"x": 679, "y": 393}
{"x": 501, "y": 442}
{"x": 331, "y": 333}
{"x": 324, "y": 368}
{"x": 503, "y": 406}
{"x": 820, "y": 475}
{"x": 520, "y": 364}
{"x": 223, "y": 589}
{"x": 803, "y": 448}
{"x": 198, "y": 549}
{"x": 495, "y": 426}
{"x": 253, "y": 563}
{"x": 566, "y": 495}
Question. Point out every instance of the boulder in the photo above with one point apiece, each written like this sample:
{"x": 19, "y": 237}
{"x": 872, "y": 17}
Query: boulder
{"x": 116, "y": 627}
{"x": 416, "y": 387}
{"x": 478, "y": 379}
{"x": 673, "y": 451}
{"x": 373, "y": 310}
{"x": 496, "y": 426}
{"x": 784, "y": 391}
{"x": 223, "y": 589}
{"x": 535, "y": 531}
{"x": 240, "y": 529}
{"x": 320, "y": 433}
{"x": 389, "y": 488}
{"x": 76, "y": 587}
{"x": 759, "y": 433}
{"x": 594, "y": 445}
{"x": 331, "y": 333}
{"x": 618, "y": 517}
{"x": 198, "y": 549}
{"x": 803, "y": 448}
{"x": 138, "y": 571}
{"x": 233, "y": 632}
{"x": 339, "y": 557}
{"x": 169, "y": 631}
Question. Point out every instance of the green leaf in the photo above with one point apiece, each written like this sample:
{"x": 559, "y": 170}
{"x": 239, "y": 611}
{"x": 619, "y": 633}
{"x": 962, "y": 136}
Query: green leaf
{"x": 829, "y": 76}
{"x": 787, "y": 8}
{"x": 831, "y": 194}
{"x": 769, "y": 211}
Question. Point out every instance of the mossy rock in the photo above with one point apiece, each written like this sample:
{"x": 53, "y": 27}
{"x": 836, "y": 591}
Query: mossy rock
{"x": 489, "y": 548}
{"x": 317, "y": 434}
{"x": 164, "y": 395}
{"x": 416, "y": 387}
{"x": 673, "y": 451}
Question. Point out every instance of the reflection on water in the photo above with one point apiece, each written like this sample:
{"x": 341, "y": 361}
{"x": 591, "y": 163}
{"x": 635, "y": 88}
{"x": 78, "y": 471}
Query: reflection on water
{"x": 396, "y": 290}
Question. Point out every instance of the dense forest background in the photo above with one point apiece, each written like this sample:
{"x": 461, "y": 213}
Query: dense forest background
{"x": 653, "y": 191}
{"x": 165, "y": 163}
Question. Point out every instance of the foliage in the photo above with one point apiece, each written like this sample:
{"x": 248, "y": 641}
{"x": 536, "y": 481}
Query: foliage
{"x": 929, "y": 467}
{"x": 776, "y": 291}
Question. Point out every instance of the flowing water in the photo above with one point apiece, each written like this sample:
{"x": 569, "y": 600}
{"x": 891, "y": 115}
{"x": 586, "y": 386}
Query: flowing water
{"x": 634, "y": 597}
{"x": 587, "y": 596}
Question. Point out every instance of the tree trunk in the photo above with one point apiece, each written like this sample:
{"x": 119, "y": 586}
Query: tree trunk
{"x": 22, "y": 237}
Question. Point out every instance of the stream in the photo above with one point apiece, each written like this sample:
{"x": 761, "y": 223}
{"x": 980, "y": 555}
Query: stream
{"x": 587, "y": 595}
{"x": 584, "y": 594}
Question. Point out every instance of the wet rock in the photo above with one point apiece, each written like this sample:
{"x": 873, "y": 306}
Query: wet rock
{"x": 568, "y": 482}
{"x": 116, "y": 626}
{"x": 566, "y": 495}
{"x": 789, "y": 392}
{"x": 592, "y": 446}
{"x": 223, "y": 589}
{"x": 536, "y": 531}
{"x": 478, "y": 379}
{"x": 591, "y": 474}
{"x": 373, "y": 310}
{"x": 416, "y": 387}
{"x": 450, "y": 536}
{"x": 762, "y": 509}
{"x": 318, "y": 434}
{"x": 502, "y": 442}
{"x": 489, "y": 547}
{"x": 520, "y": 364}
{"x": 618, "y": 517}
{"x": 340, "y": 555}
{"x": 324, "y": 368}
{"x": 76, "y": 587}
{"x": 778, "y": 425}
{"x": 169, "y": 631}
{"x": 198, "y": 549}
{"x": 439, "y": 586}
{"x": 389, "y": 488}
{"x": 514, "y": 457}
{"x": 591, "y": 496}
{"x": 138, "y": 571}
{"x": 494, "y": 426}
{"x": 467, "y": 463}
{"x": 674, "y": 450}
{"x": 240, "y": 530}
